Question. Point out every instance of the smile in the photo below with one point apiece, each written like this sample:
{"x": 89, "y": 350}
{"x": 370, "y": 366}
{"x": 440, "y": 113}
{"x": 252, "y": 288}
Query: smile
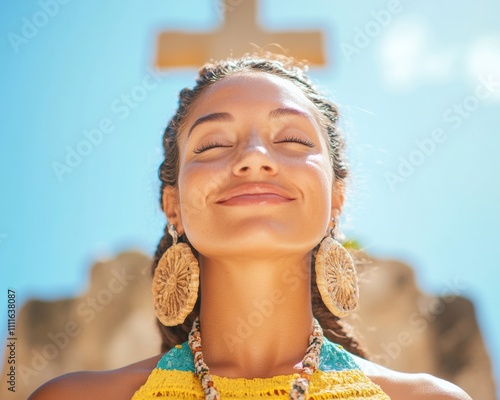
{"x": 255, "y": 194}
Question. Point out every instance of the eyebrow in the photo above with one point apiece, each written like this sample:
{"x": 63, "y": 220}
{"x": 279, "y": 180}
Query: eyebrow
{"x": 222, "y": 116}
{"x": 288, "y": 112}
{"x": 227, "y": 117}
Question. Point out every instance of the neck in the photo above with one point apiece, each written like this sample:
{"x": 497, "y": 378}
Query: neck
{"x": 256, "y": 316}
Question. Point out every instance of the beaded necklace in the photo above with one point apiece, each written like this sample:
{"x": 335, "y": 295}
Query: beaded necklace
{"x": 300, "y": 386}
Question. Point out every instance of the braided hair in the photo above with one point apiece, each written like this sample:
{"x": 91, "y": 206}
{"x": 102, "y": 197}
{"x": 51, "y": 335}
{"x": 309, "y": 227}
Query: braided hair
{"x": 286, "y": 68}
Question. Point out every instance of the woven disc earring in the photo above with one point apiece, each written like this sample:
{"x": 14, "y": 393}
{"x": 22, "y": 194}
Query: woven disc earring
{"x": 336, "y": 277}
{"x": 175, "y": 282}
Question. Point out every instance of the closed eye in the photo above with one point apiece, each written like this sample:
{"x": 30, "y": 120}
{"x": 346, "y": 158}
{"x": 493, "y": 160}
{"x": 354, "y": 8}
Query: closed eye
{"x": 294, "y": 139}
{"x": 208, "y": 146}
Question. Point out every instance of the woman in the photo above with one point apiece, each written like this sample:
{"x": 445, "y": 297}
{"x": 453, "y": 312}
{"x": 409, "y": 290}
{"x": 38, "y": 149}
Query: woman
{"x": 252, "y": 188}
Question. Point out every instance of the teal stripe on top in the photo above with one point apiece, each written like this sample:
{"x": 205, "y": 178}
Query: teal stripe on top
{"x": 178, "y": 358}
{"x": 332, "y": 358}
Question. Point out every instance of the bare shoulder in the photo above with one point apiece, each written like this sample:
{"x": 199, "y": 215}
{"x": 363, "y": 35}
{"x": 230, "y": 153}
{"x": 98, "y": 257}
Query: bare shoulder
{"x": 116, "y": 384}
{"x": 406, "y": 386}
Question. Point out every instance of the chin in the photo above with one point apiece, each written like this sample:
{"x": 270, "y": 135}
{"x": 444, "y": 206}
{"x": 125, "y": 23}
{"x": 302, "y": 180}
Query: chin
{"x": 262, "y": 245}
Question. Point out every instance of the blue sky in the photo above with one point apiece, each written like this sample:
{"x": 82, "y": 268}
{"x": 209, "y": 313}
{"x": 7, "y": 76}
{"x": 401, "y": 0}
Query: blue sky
{"x": 419, "y": 90}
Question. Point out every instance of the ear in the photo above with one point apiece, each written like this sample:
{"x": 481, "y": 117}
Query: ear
{"x": 338, "y": 196}
{"x": 171, "y": 208}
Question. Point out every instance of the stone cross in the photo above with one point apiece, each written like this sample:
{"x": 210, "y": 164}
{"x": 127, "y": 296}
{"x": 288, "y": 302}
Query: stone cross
{"x": 238, "y": 34}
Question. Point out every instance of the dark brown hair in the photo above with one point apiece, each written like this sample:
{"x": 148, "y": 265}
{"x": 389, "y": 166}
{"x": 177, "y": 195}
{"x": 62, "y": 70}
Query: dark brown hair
{"x": 286, "y": 68}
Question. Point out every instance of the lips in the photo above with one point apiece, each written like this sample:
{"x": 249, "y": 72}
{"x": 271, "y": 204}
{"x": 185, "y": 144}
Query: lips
{"x": 255, "y": 193}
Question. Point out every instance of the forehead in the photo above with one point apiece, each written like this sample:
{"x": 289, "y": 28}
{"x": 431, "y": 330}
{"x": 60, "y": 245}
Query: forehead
{"x": 252, "y": 88}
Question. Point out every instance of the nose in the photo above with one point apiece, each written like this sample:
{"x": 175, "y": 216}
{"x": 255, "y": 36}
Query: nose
{"x": 255, "y": 158}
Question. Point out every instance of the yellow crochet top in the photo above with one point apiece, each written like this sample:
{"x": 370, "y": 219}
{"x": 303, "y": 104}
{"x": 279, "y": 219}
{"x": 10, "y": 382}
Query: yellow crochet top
{"x": 338, "y": 377}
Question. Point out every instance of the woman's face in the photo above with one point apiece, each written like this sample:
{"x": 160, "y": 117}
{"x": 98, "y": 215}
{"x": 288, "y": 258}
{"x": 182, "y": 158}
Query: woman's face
{"x": 255, "y": 177}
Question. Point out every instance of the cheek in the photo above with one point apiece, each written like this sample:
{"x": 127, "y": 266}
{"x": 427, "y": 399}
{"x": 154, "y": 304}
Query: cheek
{"x": 320, "y": 181}
{"x": 321, "y": 175}
{"x": 192, "y": 189}
{"x": 199, "y": 185}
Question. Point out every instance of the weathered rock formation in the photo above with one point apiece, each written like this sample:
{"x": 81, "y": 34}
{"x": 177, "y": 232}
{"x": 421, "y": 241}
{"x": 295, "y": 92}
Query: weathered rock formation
{"x": 108, "y": 326}
{"x": 408, "y": 330}
{"x": 112, "y": 324}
